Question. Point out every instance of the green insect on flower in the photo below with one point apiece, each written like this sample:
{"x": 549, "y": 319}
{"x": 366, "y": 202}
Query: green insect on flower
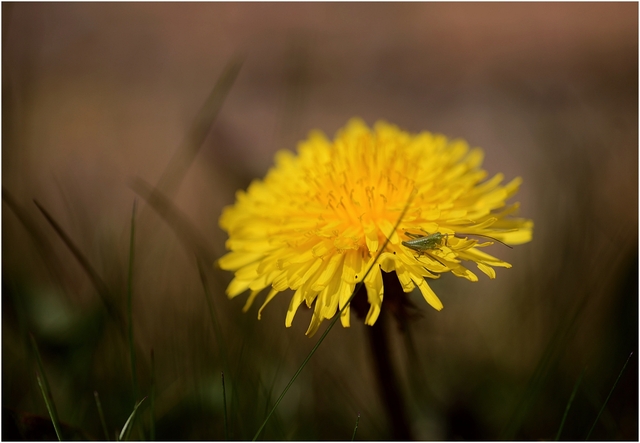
{"x": 424, "y": 243}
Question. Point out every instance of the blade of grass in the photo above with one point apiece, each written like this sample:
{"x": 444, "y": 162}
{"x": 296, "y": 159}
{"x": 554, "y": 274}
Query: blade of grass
{"x": 101, "y": 414}
{"x": 566, "y": 411}
{"x": 46, "y": 390}
{"x": 335, "y": 318}
{"x": 94, "y": 277}
{"x": 224, "y": 405}
{"x": 185, "y": 154}
{"x": 608, "y": 396}
{"x": 191, "y": 239}
{"x": 187, "y": 151}
{"x": 132, "y": 351}
{"x": 353, "y": 437}
{"x": 39, "y": 239}
{"x": 126, "y": 430}
{"x": 266, "y": 391}
{"x": 153, "y": 397}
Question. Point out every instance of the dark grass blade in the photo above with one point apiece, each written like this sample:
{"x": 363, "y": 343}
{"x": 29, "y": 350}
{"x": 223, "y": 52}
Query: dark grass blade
{"x": 335, "y": 319}
{"x": 94, "y": 277}
{"x": 43, "y": 246}
{"x": 132, "y": 351}
{"x": 46, "y": 390}
{"x": 187, "y": 151}
{"x": 608, "y": 397}
{"x": 101, "y": 414}
{"x": 224, "y": 405}
{"x": 191, "y": 239}
{"x": 126, "y": 430}
{"x": 566, "y": 411}
{"x": 277, "y": 425}
{"x": 353, "y": 437}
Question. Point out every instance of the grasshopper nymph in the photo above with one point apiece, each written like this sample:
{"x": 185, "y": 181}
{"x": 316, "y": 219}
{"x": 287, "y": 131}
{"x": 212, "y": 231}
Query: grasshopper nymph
{"x": 424, "y": 243}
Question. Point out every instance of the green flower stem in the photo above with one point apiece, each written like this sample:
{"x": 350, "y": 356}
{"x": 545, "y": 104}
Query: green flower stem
{"x": 388, "y": 385}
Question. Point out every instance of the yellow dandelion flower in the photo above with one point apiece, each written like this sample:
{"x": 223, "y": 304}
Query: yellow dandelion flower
{"x": 316, "y": 221}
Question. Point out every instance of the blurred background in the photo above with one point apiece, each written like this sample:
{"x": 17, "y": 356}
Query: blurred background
{"x": 102, "y": 102}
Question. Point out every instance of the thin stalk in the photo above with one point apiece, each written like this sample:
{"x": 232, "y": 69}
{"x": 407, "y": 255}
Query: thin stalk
{"x": 335, "y": 318}
{"x": 186, "y": 153}
{"x": 388, "y": 384}
{"x": 46, "y": 391}
{"x": 608, "y": 396}
{"x": 96, "y": 280}
{"x": 101, "y": 414}
{"x": 566, "y": 411}
{"x": 132, "y": 351}
{"x": 353, "y": 437}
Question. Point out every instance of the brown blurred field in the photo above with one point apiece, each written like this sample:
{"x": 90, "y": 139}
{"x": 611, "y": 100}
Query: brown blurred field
{"x": 96, "y": 95}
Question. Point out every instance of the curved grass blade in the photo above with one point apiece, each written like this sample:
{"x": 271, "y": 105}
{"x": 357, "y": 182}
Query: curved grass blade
{"x": 101, "y": 414}
{"x": 132, "y": 351}
{"x": 608, "y": 396}
{"x": 566, "y": 411}
{"x": 353, "y": 437}
{"x": 41, "y": 242}
{"x": 191, "y": 239}
{"x": 94, "y": 277}
{"x": 46, "y": 390}
{"x": 335, "y": 318}
{"x": 126, "y": 430}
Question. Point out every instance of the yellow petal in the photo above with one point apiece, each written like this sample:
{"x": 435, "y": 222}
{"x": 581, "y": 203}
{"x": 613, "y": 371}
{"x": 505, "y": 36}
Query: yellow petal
{"x": 371, "y": 236}
{"x": 237, "y": 287}
{"x": 487, "y": 270}
{"x": 250, "y": 300}
{"x": 272, "y": 294}
{"x": 374, "y": 287}
{"x": 236, "y": 260}
{"x": 428, "y": 294}
{"x": 295, "y": 303}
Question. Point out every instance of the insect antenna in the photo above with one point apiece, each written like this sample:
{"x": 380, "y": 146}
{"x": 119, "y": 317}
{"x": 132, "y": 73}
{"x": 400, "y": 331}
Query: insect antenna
{"x": 458, "y": 234}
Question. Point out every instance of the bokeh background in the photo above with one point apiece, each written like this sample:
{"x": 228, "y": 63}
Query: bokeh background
{"x": 97, "y": 96}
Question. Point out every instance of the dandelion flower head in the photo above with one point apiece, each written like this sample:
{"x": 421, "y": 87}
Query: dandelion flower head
{"x": 316, "y": 222}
